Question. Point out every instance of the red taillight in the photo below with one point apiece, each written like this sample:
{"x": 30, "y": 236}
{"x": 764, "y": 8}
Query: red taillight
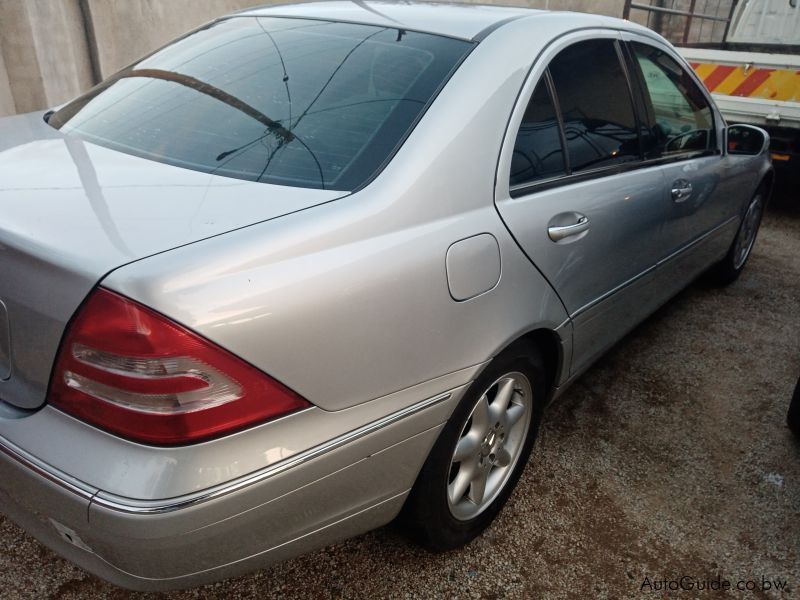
{"x": 132, "y": 371}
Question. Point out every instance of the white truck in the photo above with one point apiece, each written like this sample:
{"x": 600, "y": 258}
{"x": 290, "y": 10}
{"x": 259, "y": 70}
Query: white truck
{"x": 747, "y": 52}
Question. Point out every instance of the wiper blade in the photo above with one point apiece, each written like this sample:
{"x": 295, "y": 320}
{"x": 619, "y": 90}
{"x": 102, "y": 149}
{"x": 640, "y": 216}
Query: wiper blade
{"x": 216, "y": 93}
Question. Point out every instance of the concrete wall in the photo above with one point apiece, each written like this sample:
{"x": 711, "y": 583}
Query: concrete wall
{"x": 43, "y": 52}
{"x": 126, "y": 31}
{"x": 51, "y": 50}
{"x": 7, "y": 105}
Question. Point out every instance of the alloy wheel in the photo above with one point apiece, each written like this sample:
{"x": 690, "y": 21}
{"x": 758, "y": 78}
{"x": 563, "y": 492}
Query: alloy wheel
{"x": 747, "y": 233}
{"x": 490, "y": 445}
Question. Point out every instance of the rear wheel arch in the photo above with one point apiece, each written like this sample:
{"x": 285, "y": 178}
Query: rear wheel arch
{"x": 728, "y": 269}
{"x": 542, "y": 347}
{"x": 550, "y": 349}
{"x": 543, "y": 343}
{"x": 768, "y": 184}
{"x": 437, "y": 511}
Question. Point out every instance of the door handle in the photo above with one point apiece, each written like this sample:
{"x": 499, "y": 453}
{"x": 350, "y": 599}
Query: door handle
{"x": 681, "y": 190}
{"x": 561, "y": 232}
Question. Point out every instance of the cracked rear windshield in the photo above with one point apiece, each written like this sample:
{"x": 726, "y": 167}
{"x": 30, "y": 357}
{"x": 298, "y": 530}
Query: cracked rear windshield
{"x": 315, "y": 104}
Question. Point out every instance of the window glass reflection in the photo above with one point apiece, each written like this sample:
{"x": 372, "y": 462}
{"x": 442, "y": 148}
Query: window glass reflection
{"x": 680, "y": 117}
{"x": 592, "y": 91}
{"x": 537, "y": 150}
{"x": 287, "y": 101}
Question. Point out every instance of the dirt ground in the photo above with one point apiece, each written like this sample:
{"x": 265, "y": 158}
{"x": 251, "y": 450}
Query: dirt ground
{"x": 670, "y": 458}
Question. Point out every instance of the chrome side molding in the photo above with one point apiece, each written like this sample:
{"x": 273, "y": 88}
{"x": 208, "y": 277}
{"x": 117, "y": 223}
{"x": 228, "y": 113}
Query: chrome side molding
{"x": 144, "y": 507}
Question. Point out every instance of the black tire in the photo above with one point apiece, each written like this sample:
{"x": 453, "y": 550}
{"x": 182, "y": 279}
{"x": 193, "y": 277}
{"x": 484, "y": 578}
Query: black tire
{"x": 793, "y": 416}
{"x": 729, "y": 268}
{"x": 427, "y": 517}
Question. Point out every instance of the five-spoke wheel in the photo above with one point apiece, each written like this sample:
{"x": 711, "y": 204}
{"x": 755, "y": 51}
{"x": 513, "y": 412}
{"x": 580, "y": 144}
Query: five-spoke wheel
{"x": 489, "y": 446}
{"x": 731, "y": 266}
{"x": 747, "y": 232}
{"x": 481, "y": 452}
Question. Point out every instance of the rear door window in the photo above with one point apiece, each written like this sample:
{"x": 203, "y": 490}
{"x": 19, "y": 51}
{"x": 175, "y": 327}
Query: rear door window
{"x": 680, "y": 118}
{"x": 538, "y": 153}
{"x": 594, "y": 96}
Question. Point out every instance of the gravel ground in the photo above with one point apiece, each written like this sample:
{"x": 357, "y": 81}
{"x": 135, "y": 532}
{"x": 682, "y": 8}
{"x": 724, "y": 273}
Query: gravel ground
{"x": 670, "y": 457}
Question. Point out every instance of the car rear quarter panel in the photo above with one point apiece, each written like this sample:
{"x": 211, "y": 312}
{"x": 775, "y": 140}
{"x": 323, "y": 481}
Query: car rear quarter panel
{"x": 349, "y": 301}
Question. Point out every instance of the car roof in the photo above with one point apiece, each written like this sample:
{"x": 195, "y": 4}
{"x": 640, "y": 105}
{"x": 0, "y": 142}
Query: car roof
{"x": 464, "y": 21}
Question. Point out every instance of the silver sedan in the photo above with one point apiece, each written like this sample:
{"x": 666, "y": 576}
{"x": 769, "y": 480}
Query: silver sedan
{"x": 312, "y": 268}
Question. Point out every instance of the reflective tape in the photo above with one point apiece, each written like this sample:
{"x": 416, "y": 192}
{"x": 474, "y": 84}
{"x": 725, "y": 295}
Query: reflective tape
{"x": 771, "y": 84}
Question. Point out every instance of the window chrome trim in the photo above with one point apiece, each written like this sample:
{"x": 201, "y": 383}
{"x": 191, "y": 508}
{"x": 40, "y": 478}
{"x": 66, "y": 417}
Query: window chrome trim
{"x": 547, "y": 77}
{"x": 645, "y": 37}
{"x": 525, "y": 92}
{"x": 525, "y": 189}
{"x": 622, "y": 46}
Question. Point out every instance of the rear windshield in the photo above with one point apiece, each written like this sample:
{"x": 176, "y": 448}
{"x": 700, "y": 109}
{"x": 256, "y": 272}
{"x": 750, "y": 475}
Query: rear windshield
{"x": 297, "y": 102}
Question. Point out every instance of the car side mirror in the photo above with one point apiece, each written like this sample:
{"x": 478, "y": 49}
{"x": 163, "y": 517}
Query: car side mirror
{"x": 747, "y": 140}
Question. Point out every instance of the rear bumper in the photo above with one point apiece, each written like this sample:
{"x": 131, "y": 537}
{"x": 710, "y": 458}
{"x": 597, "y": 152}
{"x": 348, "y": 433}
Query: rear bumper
{"x": 343, "y": 489}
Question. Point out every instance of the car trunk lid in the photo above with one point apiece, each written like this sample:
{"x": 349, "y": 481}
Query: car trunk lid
{"x": 71, "y": 212}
